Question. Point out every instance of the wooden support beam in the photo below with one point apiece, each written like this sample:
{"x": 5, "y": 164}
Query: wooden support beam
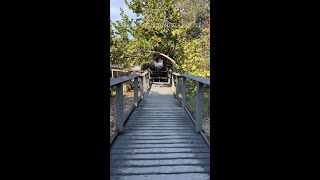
{"x": 172, "y": 79}
{"x": 119, "y": 107}
{"x": 135, "y": 91}
{"x": 199, "y": 110}
{"x": 184, "y": 91}
{"x": 177, "y": 87}
{"x": 141, "y": 87}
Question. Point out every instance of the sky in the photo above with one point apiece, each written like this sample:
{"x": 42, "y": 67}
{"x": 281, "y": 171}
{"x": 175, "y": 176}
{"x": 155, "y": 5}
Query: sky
{"x": 115, "y": 10}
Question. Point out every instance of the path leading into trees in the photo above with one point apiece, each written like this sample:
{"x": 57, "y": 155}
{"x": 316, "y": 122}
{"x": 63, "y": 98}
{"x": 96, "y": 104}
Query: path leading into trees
{"x": 159, "y": 142}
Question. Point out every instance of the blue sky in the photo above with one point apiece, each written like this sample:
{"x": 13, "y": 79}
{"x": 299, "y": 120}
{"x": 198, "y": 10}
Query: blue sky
{"x": 115, "y": 10}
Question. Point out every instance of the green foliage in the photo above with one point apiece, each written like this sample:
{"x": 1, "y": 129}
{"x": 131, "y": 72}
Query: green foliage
{"x": 127, "y": 85}
{"x": 177, "y": 29}
{"x": 147, "y": 65}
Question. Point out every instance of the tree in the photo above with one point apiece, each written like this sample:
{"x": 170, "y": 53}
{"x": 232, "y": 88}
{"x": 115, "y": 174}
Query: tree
{"x": 176, "y": 32}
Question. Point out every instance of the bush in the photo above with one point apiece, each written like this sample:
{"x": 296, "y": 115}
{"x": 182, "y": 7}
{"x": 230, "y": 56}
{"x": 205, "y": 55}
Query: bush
{"x": 147, "y": 65}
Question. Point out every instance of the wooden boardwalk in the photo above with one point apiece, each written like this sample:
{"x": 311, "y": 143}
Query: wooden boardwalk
{"x": 159, "y": 142}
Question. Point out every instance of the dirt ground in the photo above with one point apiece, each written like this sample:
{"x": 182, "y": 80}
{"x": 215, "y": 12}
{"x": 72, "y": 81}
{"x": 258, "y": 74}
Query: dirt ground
{"x": 127, "y": 104}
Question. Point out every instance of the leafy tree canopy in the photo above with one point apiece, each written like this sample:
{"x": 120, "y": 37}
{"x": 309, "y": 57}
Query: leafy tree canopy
{"x": 174, "y": 31}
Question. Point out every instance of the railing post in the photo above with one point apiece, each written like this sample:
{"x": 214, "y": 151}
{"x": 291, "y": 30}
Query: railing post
{"x": 141, "y": 86}
{"x": 135, "y": 91}
{"x": 199, "y": 110}
{"x": 145, "y": 82}
{"x": 184, "y": 91}
{"x": 172, "y": 79}
{"x": 177, "y": 87}
{"x": 149, "y": 76}
{"x": 119, "y": 107}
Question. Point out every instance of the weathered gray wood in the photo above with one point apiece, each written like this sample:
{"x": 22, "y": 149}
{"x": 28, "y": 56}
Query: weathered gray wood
{"x": 155, "y": 123}
{"x": 172, "y": 84}
{"x": 158, "y": 125}
{"x": 143, "y": 133}
{"x": 159, "y": 137}
{"x": 199, "y": 110}
{"x": 177, "y": 87}
{"x": 142, "y": 146}
{"x": 119, "y": 107}
{"x": 145, "y": 83}
{"x": 149, "y": 80}
{"x": 135, "y": 92}
{"x": 141, "y": 87}
{"x": 160, "y": 169}
{"x": 159, "y": 134}
{"x": 184, "y": 91}
{"x": 160, "y": 141}
{"x": 161, "y": 162}
{"x": 184, "y": 176}
{"x": 115, "y": 81}
{"x": 198, "y": 79}
{"x": 161, "y": 156}
{"x": 159, "y": 128}
{"x": 159, "y": 150}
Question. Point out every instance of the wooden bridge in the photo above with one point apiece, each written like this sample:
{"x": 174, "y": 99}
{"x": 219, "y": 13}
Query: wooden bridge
{"x": 159, "y": 139}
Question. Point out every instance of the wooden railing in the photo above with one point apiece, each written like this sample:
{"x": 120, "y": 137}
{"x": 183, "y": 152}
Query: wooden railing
{"x": 159, "y": 76}
{"x": 200, "y": 95}
{"x": 118, "y": 82}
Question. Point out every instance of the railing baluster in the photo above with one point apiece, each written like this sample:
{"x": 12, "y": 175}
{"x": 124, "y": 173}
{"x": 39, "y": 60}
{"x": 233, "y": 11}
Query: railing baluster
{"x": 141, "y": 87}
{"x": 199, "y": 110}
{"x": 145, "y": 83}
{"x": 149, "y": 79}
{"x": 177, "y": 87}
{"x": 135, "y": 91}
{"x": 172, "y": 79}
{"x": 119, "y": 107}
{"x": 184, "y": 91}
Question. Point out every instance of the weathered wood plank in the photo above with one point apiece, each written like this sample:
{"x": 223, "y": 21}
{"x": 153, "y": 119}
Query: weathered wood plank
{"x": 160, "y": 170}
{"x": 158, "y": 128}
{"x": 129, "y": 146}
{"x": 185, "y": 176}
{"x": 160, "y": 141}
{"x": 167, "y": 123}
{"x": 158, "y": 137}
{"x": 162, "y": 162}
{"x": 158, "y": 125}
{"x": 161, "y": 131}
{"x": 115, "y": 81}
{"x": 119, "y": 107}
{"x": 200, "y": 107}
{"x": 162, "y": 156}
{"x": 159, "y": 150}
{"x": 139, "y": 133}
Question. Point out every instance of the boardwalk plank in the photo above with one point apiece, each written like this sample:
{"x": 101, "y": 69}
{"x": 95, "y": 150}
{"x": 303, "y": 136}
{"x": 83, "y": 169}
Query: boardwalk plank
{"x": 186, "y": 176}
{"x": 159, "y": 150}
{"x": 163, "y": 162}
{"x": 159, "y": 142}
{"x": 161, "y": 156}
{"x": 160, "y": 170}
{"x": 129, "y": 146}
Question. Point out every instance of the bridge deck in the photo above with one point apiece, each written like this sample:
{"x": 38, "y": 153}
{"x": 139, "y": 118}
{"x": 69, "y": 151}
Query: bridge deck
{"x": 159, "y": 142}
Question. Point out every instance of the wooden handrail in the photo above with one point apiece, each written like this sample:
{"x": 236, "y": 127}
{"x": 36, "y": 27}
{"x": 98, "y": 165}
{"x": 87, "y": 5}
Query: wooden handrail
{"x": 118, "y": 82}
{"x": 115, "y": 81}
{"x": 200, "y": 94}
